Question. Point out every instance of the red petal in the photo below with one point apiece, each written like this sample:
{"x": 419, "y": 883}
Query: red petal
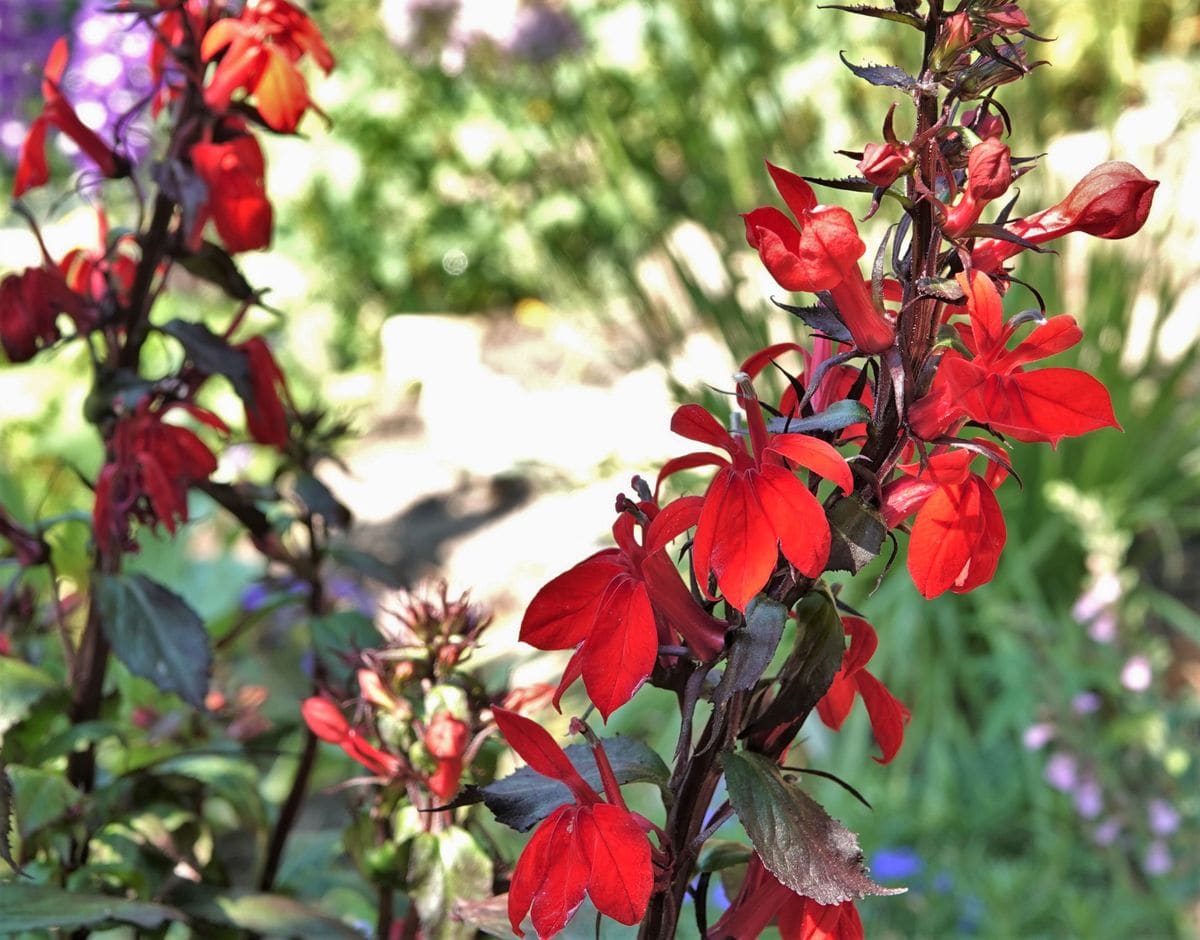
{"x": 755, "y": 364}
{"x": 888, "y": 715}
{"x": 983, "y": 305}
{"x": 863, "y": 643}
{"x": 988, "y": 542}
{"x": 696, "y": 424}
{"x": 237, "y": 198}
{"x": 566, "y": 877}
{"x": 534, "y": 745}
{"x": 835, "y": 704}
{"x": 573, "y": 670}
{"x": 325, "y": 719}
{"x": 956, "y": 539}
{"x": 32, "y": 169}
{"x": 830, "y": 246}
{"x": 1054, "y": 336}
{"x": 672, "y": 520}
{"x": 56, "y": 66}
{"x": 903, "y": 497}
{"x": 804, "y": 919}
{"x": 794, "y": 189}
{"x": 687, "y": 462}
{"x": 744, "y": 542}
{"x": 796, "y": 520}
{"x": 619, "y": 653}
{"x": 669, "y": 596}
{"x": 280, "y": 92}
{"x": 618, "y": 854}
{"x": 816, "y": 455}
{"x": 533, "y": 868}
{"x": 561, "y": 614}
{"x": 706, "y": 530}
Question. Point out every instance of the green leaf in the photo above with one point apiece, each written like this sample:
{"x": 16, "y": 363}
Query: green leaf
{"x": 6, "y": 819}
{"x": 753, "y": 647}
{"x": 524, "y": 798}
{"x": 319, "y": 500}
{"x": 446, "y": 869}
{"x": 719, "y": 854}
{"x": 40, "y": 797}
{"x": 799, "y": 843}
{"x": 76, "y": 738}
{"x": 22, "y": 686}
{"x": 42, "y": 907}
{"x": 858, "y": 531}
{"x": 333, "y": 635}
{"x": 156, "y": 634}
{"x": 271, "y": 915}
{"x": 366, "y": 564}
{"x": 839, "y": 415}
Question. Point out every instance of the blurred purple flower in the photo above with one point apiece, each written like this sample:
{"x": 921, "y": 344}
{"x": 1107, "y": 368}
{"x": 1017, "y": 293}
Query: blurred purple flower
{"x": 1101, "y": 594}
{"x": 266, "y": 593}
{"x": 1136, "y": 674}
{"x": 1106, "y": 833}
{"x": 1164, "y": 818}
{"x": 1086, "y": 703}
{"x": 28, "y": 28}
{"x": 1089, "y": 798}
{"x": 543, "y": 33}
{"x": 1157, "y": 860}
{"x": 1103, "y": 629}
{"x": 1038, "y": 736}
{"x": 354, "y": 594}
{"x": 898, "y": 864}
{"x": 1062, "y": 772}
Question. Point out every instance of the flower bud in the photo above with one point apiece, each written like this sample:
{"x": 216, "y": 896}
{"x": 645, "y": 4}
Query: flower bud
{"x": 989, "y": 174}
{"x": 1009, "y": 18}
{"x": 955, "y": 36}
{"x": 883, "y": 163}
{"x": 446, "y": 736}
{"x": 985, "y": 126}
{"x": 371, "y": 688}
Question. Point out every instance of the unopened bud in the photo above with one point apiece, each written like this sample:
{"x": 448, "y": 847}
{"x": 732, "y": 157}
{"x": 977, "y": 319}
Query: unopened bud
{"x": 955, "y": 36}
{"x": 882, "y": 164}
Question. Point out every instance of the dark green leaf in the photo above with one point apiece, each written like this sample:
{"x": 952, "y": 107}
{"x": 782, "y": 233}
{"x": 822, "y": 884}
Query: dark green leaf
{"x": 320, "y": 501}
{"x": 156, "y": 634}
{"x": 21, "y": 686}
{"x": 334, "y": 635}
{"x": 753, "y": 647}
{"x": 820, "y": 318}
{"x": 213, "y": 354}
{"x": 76, "y": 738}
{"x": 890, "y": 76}
{"x": 524, "y": 798}
{"x": 799, "y": 843}
{"x": 446, "y": 868}
{"x": 837, "y": 417}
{"x": 6, "y": 819}
{"x": 41, "y": 907}
{"x": 858, "y": 532}
{"x": 943, "y": 288}
{"x": 719, "y": 854}
{"x": 271, "y": 915}
{"x": 40, "y": 797}
{"x": 214, "y": 264}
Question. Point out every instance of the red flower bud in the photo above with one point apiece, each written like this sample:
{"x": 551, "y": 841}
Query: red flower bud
{"x": 956, "y": 35}
{"x": 1112, "y": 201}
{"x": 446, "y": 736}
{"x": 883, "y": 163}
{"x": 1008, "y": 18}
{"x": 985, "y": 126}
{"x": 989, "y": 174}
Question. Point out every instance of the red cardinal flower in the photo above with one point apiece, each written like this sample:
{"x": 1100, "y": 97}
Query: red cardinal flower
{"x": 32, "y": 170}
{"x": 258, "y": 53}
{"x": 993, "y": 388}
{"x": 959, "y": 531}
{"x": 30, "y": 303}
{"x": 587, "y": 847}
{"x": 763, "y": 899}
{"x": 266, "y": 418}
{"x": 1112, "y": 201}
{"x": 989, "y": 174}
{"x": 819, "y": 254}
{"x": 446, "y": 739}
{"x": 234, "y": 173}
{"x": 620, "y": 605}
{"x": 888, "y": 715}
{"x": 150, "y": 468}
{"x": 755, "y": 506}
{"x": 327, "y": 722}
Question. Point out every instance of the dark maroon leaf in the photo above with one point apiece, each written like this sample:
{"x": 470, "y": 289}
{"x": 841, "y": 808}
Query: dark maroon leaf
{"x": 896, "y": 16}
{"x": 943, "y": 288}
{"x": 799, "y": 843}
{"x": 214, "y": 264}
{"x": 891, "y": 76}
{"x": 213, "y": 355}
{"x": 858, "y": 532}
{"x": 319, "y": 500}
{"x": 753, "y": 647}
{"x": 820, "y": 318}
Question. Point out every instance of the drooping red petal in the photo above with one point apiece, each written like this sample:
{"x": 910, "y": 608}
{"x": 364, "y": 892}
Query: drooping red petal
{"x": 863, "y": 643}
{"x": 888, "y": 715}
{"x": 234, "y": 173}
{"x": 618, "y": 853}
{"x": 619, "y": 653}
{"x": 706, "y": 530}
{"x": 956, "y": 539}
{"x": 804, "y": 919}
{"x": 988, "y": 542}
{"x": 32, "y": 169}
{"x": 673, "y": 519}
{"x": 743, "y": 540}
{"x": 903, "y": 497}
{"x": 816, "y": 455}
{"x": 566, "y": 876}
{"x": 572, "y": 671}
{"x": 670, "y": 597}
{"x": 561, "y": 614}
{"x": 377, "y": 761}
{"x": 757, "y": 361}
{"x": 696, "y": 424}
{"x": 830, "y": 246}
{"x": 687, "y": 462}
{"x": 794, "y": 189}
{"x": 1047, "y": 339}
{"x": 777, "y": 241}
{"x": 796, "y": 520}
{"x": 534, "y": 745}
{"x": 325, "y": 719}
{"x": 280, "y": 92}
{"x": 533, "y": 868}
{"x": 835, "y": 704}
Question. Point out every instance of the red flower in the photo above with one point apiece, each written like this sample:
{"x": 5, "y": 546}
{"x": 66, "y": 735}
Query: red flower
{"x": 30, "y": 303}
{"x": 819, "y": 254}
{"x": 620, "y": 605}
{"x": 446, "y": 739}
{"x": 888, "y": 715}
{"x": 266, "y": 418}
{"x": 755, "y": 506}
{"x": 959, "y": 531}
{"x": 587, "y": 847}
{"x": 233, "y": 172}
{"x": 763, "y": 899}
{"x": 259, "y": 51}
{"x": 91, "y": 273}
{"x": 32, "y": 170}
{"x": 1112, "y": 201}
{"x": 989, "y": 174}
{"x": 151, "y": 465}
{"x": 327, "y": 722}
{"x": 993, "y": 388}
{"x": 881, "y": 164}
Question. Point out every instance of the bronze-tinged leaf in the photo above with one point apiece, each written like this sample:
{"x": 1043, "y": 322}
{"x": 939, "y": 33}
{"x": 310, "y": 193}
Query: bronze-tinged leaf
{"x": 858, "y": 531}
{"x": 753, "y": 647}
{"x": 799, "y": 843}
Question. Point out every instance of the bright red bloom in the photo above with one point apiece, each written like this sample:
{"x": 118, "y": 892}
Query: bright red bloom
{"x": 266, "y": 418}
{"x": 620, "y": 605}
{"x": 993, "y": 388}
{"x": 327, "y": 722}
{"x": 259, "y": 51}
{"x": 989, "y": 174}
{"x": 446, "y": 739}
{"x": 820, "y": 253}
{"x": 234, "y": 173}
{"x": 1112, "y": 201}
{"x": 959, "y": 530}
{"x": 755, "y": 506}
{"x": 586, "y": 847}
{"x": 93, "y": 273}
{"x": 30, "y": 303}
{"x": 150, "y": 468}
{"x": 32, "y": 169}
{"x": 888, "y": 715}
{"x": 763, "y": 898}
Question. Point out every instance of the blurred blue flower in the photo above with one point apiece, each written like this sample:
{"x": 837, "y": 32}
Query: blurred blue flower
{"x": 1164, "y": 818}
{"x": 896, "y": 864}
